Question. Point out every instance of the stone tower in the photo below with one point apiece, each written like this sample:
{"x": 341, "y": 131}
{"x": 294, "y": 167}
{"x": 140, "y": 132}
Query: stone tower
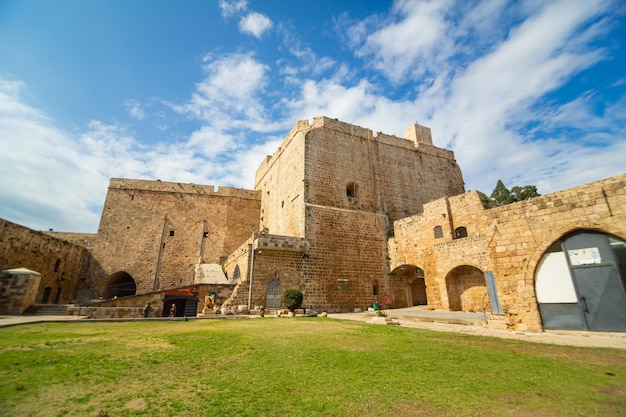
{"x": 340, "y": 187}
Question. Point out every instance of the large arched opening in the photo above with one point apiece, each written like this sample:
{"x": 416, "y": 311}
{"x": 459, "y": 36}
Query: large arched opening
{"x": 415, "y": 284}
{"x": 119, "y": 284}
{"x": 467, "y": 289}
{"x": 580, "y": 283}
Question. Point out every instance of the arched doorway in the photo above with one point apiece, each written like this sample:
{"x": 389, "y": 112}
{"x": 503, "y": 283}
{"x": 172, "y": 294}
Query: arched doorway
{"x": 466, "y": 289}
{"x": 273, "y": 294}
{"x": 119, "y": 284}
{"x": 417, "y": 287}
{"x": 580, "y": 283}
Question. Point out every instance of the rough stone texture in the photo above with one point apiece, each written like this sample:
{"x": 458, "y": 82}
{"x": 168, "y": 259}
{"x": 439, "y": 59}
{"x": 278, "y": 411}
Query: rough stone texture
{"x": 132, "y": 307}
{"x": 62, "y": 264}
{"x": 340, "y": 186}
{"x": 322, "y": 218}
{"x": 508, "y": 240}
{"x": 158, "y": 231}
{"x": 18, "y": 290}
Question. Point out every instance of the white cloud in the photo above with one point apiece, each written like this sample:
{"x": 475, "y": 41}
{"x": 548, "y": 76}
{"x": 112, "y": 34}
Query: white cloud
{"x": 255, "y": 24}
{"x": 45, "y": 181}
{"x": 479, "y": 85}
{"x": 229, "y": 97}
{"x": 135, "y": 109}
{"x": 412, "y": 44}
{"x": 230, "y": 8}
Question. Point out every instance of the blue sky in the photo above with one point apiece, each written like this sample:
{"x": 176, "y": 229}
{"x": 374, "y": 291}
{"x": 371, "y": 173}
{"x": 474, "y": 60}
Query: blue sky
{"x": 530, "y": 92}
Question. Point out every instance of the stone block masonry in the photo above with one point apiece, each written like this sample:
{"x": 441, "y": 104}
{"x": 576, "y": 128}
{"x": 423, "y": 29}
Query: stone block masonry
{"x": 340, "y": 187}
{"x": 61, "y": 263}
{"x": 509, "y": 241}
{"x": 156, "y": 231}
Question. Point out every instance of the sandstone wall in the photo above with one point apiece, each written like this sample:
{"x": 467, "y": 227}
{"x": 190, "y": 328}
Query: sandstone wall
{"x": 62, "y": 264}
{"x": 339, "y": 186}
{"x": 508, "y": 240}
{"x": 157, "y": 231}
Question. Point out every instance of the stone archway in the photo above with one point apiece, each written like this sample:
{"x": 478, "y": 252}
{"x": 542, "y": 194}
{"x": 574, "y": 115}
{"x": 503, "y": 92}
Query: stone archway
{"x": 467, "y": 289}
{"x": 580, "y": 283}
{"x": 119, "y": 284}
{"x": 415, "y": 285}
{"x": 277, "y": 282}
{"x": 418, "y": 289}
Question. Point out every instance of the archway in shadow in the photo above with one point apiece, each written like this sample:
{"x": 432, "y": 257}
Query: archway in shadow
{"x": 119, "y": 284}
{"x": 413, "y": 276}
{"x": 466, "y": 288}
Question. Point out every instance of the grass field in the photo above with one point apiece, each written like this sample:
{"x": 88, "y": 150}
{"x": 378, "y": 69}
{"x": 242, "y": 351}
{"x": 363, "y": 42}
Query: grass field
{"x": 296, "y": 367}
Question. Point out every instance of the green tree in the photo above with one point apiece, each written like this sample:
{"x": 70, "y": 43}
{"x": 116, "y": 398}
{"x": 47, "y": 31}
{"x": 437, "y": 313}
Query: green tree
{"x": 292, "y": 299}
{"x": 524, "y": 193}
{"x": 502, "y": 196}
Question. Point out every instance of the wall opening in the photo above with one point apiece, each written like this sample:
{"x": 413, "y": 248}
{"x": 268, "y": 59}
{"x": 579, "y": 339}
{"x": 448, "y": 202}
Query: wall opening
{"x": 580, "y": 283}
{"x": 466, "y": 288}
{"x": 351, "y": 190}
{"x": 119, "y": 284}
{"x": 460, "y": 232}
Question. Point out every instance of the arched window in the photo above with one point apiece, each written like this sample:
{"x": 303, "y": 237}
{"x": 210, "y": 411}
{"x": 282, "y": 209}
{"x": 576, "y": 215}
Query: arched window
{"x": 57, "y": 264}
{"x": 438, "y": 232}
{"x": 460, "y": 232}
{"x": 351, "y": 190}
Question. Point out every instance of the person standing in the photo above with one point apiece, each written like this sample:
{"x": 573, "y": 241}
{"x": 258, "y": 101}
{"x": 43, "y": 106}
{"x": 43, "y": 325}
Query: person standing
{"x": 173, "y": 310}
{"x": 146, "y": 310}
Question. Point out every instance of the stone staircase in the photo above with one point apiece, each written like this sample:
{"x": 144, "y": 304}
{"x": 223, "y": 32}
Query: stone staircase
{"x": 48, "y": 309}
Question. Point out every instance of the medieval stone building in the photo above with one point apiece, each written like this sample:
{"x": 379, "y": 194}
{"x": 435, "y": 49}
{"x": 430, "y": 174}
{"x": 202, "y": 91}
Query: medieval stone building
{"x": 349, "y": 217}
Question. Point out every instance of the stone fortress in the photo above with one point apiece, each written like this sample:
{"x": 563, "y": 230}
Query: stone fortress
{"x": 349, "y": 217}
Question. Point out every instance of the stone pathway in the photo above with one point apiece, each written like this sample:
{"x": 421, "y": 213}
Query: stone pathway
{"x": 448, "y": 321}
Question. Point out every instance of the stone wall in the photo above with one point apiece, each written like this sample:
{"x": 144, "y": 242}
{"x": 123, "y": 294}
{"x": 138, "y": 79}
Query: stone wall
{"x": 18, "y": 290}
{"x": 339, "y": 186}
{"x": 132, "y": 307}
{"x": 508, "y": 240}
{"x": 62, "y": 264}
{"x": 158, "y": 231}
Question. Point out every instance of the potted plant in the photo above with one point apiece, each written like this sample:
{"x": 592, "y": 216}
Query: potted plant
{"x": 292, "y": 299}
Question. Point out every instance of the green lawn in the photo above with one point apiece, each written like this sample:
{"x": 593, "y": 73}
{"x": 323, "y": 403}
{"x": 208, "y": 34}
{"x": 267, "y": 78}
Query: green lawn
{"x": 296, "y": 367}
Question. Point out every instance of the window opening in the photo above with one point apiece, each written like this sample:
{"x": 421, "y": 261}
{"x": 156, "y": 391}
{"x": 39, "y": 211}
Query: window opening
{"x": 460, "y": 232}
{"x": 171, "y": 233}
{"x": 237, "y": 273}
{"x": 56, "y": 265}
{"x": 438, "y": 232}
{"x": 351, "y": 189}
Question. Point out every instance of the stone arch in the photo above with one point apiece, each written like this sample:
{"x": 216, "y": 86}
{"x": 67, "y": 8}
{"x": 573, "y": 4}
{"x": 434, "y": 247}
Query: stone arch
{"x": 415, "y": 284}
{"x": 118, "y": 284}
{"x": 276, "y": 282}
{"x": 559, "y": 233}
{"x": 580, "y": 282}
{"x": 467, "y": 289}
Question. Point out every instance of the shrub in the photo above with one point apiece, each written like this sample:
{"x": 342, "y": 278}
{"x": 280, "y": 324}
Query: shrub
{"x": 292, "y": 299}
